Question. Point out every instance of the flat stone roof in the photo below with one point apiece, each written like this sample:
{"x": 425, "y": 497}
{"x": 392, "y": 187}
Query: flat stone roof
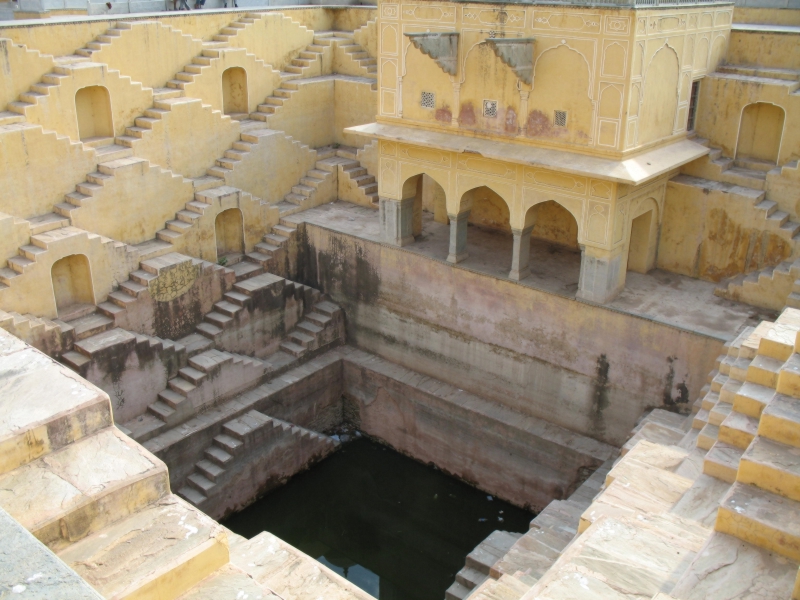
{"x": 765, "y": 28}
{"x": 635, "y": 170}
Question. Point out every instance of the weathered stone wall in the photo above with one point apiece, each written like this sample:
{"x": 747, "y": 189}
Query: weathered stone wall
{"x": 584, "y": 367}
{"x": 523, "y": 460}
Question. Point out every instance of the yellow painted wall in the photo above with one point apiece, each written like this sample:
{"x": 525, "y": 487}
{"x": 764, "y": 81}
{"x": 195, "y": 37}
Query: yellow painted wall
{"x": 14, "y": 232}
{"x": 354, "y": 104}
{"x": 618, "y": 96}
{"x": 722, "y": 104}
{"x": 135, "y": 203}
{"x": 20, "y": 69}
{"x": 261, "y": 78}
{"x": 149, "y": 52}
{"x": 56, "y": 111}
{"x": 770, "y": 16}
{"x": 257, "y": 216}
{"x": 38, "y": 168}
{"x": 189, "y": 138}
{"x": 779, "y": 50}
{"x": 261, "y": 175}
{"x": 366, "y": 36}
{"x": 32, "y": 292}
{"x": 274, "y": 38}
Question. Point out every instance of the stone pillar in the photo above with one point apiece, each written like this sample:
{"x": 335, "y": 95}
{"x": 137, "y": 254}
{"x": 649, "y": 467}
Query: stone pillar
{"x": 396, "y": 221}
{"x": 522, "y": 254}
{"x": 458, "y": 237}
{"x": 602, "y": 274}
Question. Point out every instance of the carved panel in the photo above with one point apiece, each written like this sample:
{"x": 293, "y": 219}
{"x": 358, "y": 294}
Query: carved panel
{"x": 553, "y": 179}
{"x": 388, "y": 73}
{"x": 507, "y": 17}
{"x": 722, "y": 18}
{"x": 693, "y": 20}
{"x": 619, "y": 222}
{"x": 429, "y": 13}
{"x": 706, "y": 20}
{"x": 636, "y": 98}
{"x": 607, "y": 133}
{"x": 638, "y": 59}
{"x": 600, "y": 189}
{"x": 617, "y": 25}
{"x": 388, "y": 178}
{"x": 701, "y": 55}
{"x": 389, "y": 40}
{"x": 489, "y": 167}
{"x": 428, "y": 155}
{"x": 390, "y": 11}
{"x": 688, "y": 51}
{"x": 641, "y": 26}
{"x": 610, "y": 105}
{"x": 615, "y": 58}
{"x": 566, "y": 21}
{"x": 597, "y": 222}
{"x": 667, "y": 23}
{"x": 630, "y": 136}
{"x": 388, "y": 102}
{"x": 388, "y": 148}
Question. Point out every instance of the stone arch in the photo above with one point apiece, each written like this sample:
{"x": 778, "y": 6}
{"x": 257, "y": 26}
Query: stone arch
{"x": 234, "y": 91}
{"x": 610, "y": 103}
{"x": 760, "y": 132}
{"x": 614, "y": 58}
{"x": 93, "y": 109}
{"x": 488, "y": 209}
{"x": 552, "y": 91}
{"x": 717, "y": 52}
{"x": 643, "y": 238}
{"x": 72, "y": 283}
{"x": 660, "y": 103}
{"x": 424, "y": 189}
{"x": 551, "y": 221}
{"x": 229, "y": 232}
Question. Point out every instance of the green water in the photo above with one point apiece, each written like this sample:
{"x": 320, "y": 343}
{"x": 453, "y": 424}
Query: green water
{"x": 396, "y": 528}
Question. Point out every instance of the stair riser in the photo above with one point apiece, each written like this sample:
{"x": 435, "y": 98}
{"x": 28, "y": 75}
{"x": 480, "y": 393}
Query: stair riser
{"x": 756, "y": 533}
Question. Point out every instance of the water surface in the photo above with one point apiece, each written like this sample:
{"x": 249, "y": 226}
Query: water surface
{"x": 396, "y": 528}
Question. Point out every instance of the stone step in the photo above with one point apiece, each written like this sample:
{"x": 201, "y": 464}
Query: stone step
{"x": 752, "y": 398}
{"x": 761, "y": 518}
{"x": 148, "y": 555}
{"x": 229, "y": 583}
{"x": 780, "y": 420}
{"x": 90, "y": 325}
{"x": 722, "y": 461}
{"x": 764, "y": 371}
{"x": 738, "y": 430}
{"x": 218, "y": 456}
{"x": 745, "y": 567}
{"x": 505, "y": 588}
{"x": 771, "y": 466}
{"x": 74, "y": 495}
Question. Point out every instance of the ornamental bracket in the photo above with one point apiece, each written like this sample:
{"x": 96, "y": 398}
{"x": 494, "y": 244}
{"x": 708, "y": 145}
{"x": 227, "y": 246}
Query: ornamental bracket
{"x": 517, "y": 53}
{"x": 440, "y": 46}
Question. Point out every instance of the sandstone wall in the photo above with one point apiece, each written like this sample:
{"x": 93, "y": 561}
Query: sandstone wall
{"x": 584, "y": 367}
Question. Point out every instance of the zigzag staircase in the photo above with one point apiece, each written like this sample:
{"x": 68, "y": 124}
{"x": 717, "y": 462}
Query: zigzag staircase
{"x": 240, "y": 436}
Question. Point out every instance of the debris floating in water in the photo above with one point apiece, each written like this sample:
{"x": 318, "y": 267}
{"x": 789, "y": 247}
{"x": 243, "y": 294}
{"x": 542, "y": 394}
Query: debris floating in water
{"x": 489, "y": 498}
{"x": 482, "y": 520}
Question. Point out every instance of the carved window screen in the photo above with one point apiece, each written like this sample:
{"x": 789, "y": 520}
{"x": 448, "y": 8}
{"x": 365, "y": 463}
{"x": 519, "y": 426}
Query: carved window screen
{"x": 490, "y": 108}
{"x": 428, "y": 100}
{"x": 560, "y": 118}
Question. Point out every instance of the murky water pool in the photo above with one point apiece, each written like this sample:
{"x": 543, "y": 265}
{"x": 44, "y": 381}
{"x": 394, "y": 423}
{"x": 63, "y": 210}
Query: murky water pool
{"x": 394, "y": 527}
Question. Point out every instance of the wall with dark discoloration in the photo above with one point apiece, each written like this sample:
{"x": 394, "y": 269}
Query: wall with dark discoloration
{"x": 532, "y": 351}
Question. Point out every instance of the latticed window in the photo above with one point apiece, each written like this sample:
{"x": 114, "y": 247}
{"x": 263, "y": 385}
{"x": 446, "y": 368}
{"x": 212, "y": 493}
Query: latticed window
{"x": 560, "y": 119}
{"x": 428, "y": 100}
{"x": 490, "y": 108}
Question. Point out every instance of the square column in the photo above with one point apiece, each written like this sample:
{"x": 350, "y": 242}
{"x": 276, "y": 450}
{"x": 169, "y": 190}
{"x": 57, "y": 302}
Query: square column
{"x": 522, "y": 254}
{"x": 458, "y": 237}
{"x": 397, "y": 218}
{"x": 602, "y": 274}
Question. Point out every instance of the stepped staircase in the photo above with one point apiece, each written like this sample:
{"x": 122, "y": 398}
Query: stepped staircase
{"x": 701, "y": 507}
{"x": 252, "y": 432}
{"x": 508, "y": 564}
{"x": 114, "y": 521}
{"x": 214, "y": 375}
